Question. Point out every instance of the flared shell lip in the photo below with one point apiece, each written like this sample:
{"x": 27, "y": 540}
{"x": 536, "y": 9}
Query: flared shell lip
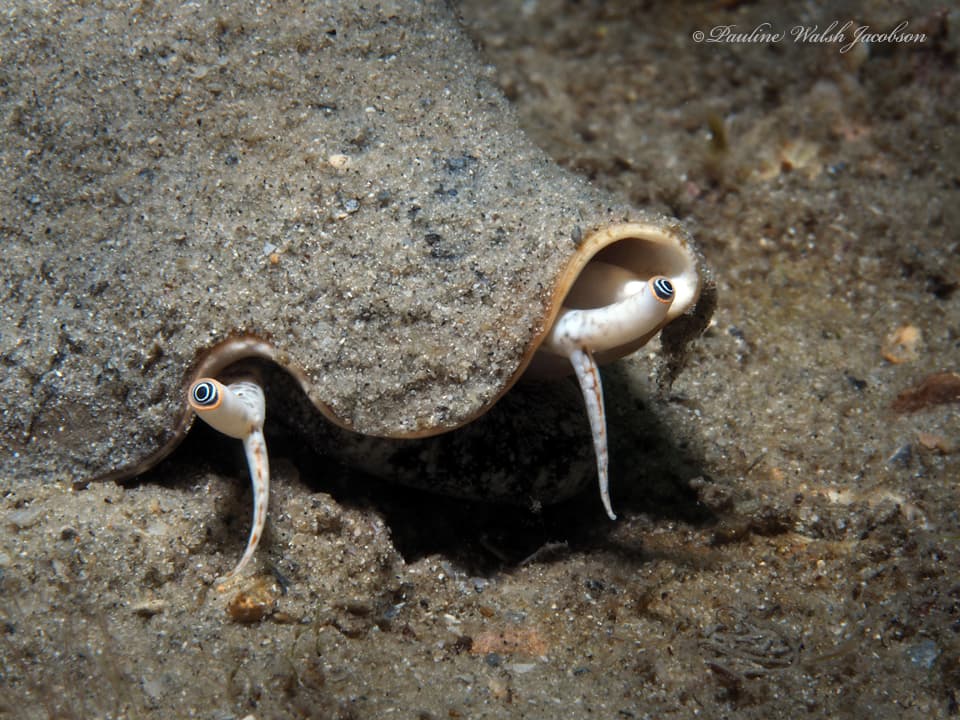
{"x": 677, "y": 261}
{"x": 669, "y": 240}
{"x": 668, "y": 252}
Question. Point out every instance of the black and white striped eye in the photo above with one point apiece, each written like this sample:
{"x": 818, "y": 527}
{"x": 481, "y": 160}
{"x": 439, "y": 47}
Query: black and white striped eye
{"x": 662, "y": 288}
{"x": 205, "y": 393}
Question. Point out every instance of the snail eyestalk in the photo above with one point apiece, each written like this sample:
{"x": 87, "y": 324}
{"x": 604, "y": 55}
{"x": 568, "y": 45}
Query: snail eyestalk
{"x": 238, "y": 410}
{"x": 578, "y": 333}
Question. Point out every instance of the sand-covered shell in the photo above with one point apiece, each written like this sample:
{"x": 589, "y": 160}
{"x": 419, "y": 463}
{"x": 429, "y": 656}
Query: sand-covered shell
{"x": 353, "y": 201}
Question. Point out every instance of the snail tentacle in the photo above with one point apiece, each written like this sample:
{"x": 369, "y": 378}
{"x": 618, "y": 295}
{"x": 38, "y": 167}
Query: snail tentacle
{"x": 588, "y": 375}
{"x": 238, "y": 410}
{"x": 578, "y": 333}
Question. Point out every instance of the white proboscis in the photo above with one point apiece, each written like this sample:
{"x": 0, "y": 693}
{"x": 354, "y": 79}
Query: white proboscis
{"x": 238, "y": 410}
{"x": 578, "y": 333}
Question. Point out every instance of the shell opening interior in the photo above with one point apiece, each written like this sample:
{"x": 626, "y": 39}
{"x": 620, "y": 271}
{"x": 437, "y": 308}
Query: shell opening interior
{"x": 610, "y": 274}
{"x": 613, "y": 273}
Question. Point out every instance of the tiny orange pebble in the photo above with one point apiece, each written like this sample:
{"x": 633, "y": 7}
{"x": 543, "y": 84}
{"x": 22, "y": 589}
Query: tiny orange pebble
{"x": 931, "y": 441}
{"x": 901, "y": 345}
{"x": 510, "y": 641}
{"x": 256, "y": 603}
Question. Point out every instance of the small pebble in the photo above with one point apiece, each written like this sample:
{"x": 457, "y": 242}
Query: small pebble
{"x": 522, "y": 668}
{"x": 931, "y": 441}
{"x": 24, "y": 518}
{"x": 901, "y": 456}
{"x": 902, "y": 345}
{"x": 924, "y": 654}
{"x": 148, "y": 607}
{"x": 254, "y": 604}
{"x": 492, "y": 659}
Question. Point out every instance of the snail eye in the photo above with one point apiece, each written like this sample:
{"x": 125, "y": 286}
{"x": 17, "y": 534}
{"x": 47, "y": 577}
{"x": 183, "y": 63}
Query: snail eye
{"x": 205, "y": 393}
{"x": 662, "y": 288}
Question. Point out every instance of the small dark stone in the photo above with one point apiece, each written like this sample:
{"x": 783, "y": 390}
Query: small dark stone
{"x": 460, "y": 163}
{"x": 461, "y": 644}
{"x": 594, "y": 586}
{"x": 941, "y": 288}
{"x": 902, "y": 456}
{"x": 856, "y": 383}
{"x": 576, "y": 235}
